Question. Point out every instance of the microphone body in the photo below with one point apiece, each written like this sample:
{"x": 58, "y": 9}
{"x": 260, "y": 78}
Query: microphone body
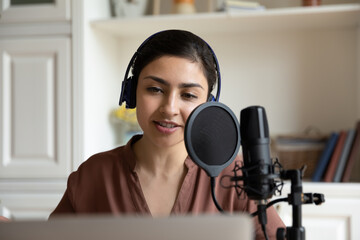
{"x": 257, "y": 171}
{"x": 258, "y": 174}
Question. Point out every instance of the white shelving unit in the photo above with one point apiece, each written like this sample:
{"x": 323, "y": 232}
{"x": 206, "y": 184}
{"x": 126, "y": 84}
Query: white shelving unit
{"x": 297, "y": 18}
{"x": 302, "y": 64}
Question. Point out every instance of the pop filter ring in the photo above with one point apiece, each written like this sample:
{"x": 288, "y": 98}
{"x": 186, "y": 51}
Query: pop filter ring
{"x": 213, "y": 170}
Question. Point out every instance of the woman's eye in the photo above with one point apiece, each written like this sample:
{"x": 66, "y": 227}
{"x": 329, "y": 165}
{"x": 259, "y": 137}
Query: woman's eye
{"x": 189, "y": 96}
{"x": 154, "y": 89}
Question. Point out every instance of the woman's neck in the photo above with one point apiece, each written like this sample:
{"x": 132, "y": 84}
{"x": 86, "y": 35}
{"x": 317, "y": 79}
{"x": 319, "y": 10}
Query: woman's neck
{"x": 159, "y": 161}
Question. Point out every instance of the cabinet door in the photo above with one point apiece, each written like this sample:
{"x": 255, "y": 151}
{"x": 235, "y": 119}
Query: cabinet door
{"x": 336, "y": 219}
{"x": 28, "y": 206}
{"x": 322, "y": 222}
{"x": 35, "y": 108}
{"x": 33, "y": 11}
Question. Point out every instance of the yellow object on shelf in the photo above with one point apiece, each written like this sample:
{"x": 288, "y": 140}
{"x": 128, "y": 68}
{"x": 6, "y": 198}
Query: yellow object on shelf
{"x": 127, "y": 115}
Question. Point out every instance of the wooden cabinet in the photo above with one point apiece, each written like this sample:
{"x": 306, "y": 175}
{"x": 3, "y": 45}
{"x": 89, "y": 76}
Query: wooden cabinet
{"x": 36, "y": 107}
{"x": 30, "y": 199}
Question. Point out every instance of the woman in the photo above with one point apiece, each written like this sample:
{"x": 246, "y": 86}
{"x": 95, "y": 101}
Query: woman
{"x": 173, "y": 72}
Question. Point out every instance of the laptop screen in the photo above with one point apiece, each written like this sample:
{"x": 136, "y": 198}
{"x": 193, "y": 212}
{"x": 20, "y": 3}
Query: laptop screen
{"x": 91, "y": 227}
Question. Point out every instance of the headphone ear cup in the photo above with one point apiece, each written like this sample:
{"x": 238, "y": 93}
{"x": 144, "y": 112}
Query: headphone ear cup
{"x": 132, "y": 91}
{"x": 128, "y": 93}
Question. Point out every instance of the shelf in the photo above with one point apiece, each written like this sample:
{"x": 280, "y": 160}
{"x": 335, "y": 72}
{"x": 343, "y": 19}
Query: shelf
{"x": 330, "y": 16}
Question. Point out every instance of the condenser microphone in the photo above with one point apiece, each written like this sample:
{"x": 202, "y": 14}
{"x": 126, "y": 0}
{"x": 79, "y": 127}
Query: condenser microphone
{"x": 258, "y": 174}
{"x": 255, "y": 141}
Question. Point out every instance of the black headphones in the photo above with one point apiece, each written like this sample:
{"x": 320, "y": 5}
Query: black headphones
{"x": 128, "y": 86}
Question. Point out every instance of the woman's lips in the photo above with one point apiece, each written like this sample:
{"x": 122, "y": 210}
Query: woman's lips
{"x": 166, "y": 127}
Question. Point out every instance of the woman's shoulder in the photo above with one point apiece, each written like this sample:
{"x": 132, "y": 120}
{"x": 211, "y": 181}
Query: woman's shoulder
{"x": 112, "y": 154}
{"x": 103, "y": 162}
{"x": 98, "y": 169}
{"x": 105, "y": 157}
{"x": 118, "y": 157}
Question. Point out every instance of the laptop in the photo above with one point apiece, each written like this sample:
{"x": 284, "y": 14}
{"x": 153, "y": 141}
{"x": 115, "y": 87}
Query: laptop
{"x": 207, "y": 227}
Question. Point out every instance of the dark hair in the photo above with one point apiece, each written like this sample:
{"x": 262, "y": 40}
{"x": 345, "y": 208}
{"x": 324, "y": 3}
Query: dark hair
{"x": 177, "y": 43}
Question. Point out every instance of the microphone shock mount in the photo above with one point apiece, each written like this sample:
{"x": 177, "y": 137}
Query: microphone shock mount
{"x": 296, "y": 197}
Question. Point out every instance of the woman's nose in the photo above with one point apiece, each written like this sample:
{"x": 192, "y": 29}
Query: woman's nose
{"x": 170, "y": 105}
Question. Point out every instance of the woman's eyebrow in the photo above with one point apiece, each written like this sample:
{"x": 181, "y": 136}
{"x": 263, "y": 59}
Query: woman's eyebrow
{"x": 157, "y": 79}
{"x": 164, "y": 82}
{"x": 190, "y": 85}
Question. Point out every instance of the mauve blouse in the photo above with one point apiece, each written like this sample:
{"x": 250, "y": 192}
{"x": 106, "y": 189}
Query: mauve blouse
{"x": 107, "y": 183}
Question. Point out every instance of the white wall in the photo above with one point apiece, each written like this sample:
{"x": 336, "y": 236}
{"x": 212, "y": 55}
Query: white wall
{"x": 301, "y": 78}
{"x": 101, "y": 81}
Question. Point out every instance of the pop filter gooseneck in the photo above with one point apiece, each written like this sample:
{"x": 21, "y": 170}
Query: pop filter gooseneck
{"x": 212, "y": 139}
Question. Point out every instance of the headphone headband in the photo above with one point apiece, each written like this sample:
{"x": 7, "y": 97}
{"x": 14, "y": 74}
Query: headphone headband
{"x": 128, "y": 86}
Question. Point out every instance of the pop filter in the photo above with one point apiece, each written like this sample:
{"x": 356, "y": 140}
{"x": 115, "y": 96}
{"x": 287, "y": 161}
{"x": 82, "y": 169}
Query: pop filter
{"x": 212, "y": 137}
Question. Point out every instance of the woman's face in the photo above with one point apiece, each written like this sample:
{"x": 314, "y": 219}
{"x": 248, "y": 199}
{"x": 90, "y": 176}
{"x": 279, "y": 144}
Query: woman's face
{"x": 168, "y": 90}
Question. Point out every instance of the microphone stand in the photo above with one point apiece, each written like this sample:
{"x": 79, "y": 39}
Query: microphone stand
{"x": 297, "y": 231}
{"x": 296, "y": 198}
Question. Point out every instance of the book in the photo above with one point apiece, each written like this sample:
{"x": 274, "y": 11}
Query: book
{"x": 354, "y": 155}
{"x": 240, "y": 3}
{"x": 355, "y": 172}
{"x": 244, "y": 9}
{"x": 239, "y": 6}
{"x": 325, "y": 157}
{"x": 330, "y": 171}
{"x": 344, "y": 155}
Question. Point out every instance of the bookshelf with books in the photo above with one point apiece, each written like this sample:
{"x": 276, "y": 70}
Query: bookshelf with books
{"x": 340, "y": 159}
{"x": 333, "y": 157}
